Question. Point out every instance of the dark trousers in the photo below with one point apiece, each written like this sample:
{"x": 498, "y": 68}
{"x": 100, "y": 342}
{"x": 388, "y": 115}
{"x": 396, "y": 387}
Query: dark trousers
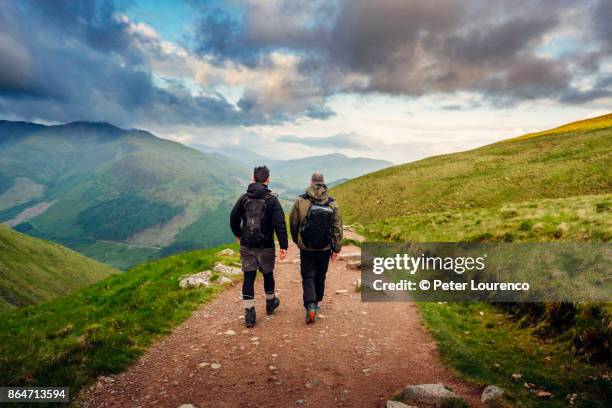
{"x": 248, "y": 284}
{"x": 313, "y": 266}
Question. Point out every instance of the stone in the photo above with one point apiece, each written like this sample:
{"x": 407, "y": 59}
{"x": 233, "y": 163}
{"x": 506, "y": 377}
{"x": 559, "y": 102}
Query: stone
{"x": 397, "y": 404}
{"x": 350, "y": 257}
{"x": 230, "y": 332}
{"x": 543, "y": 394}
{"x": 516, "y": 376}
{"x": 215, "y": 366}
{"x": 226, "y": 252}
{"x": 223, "y": 280}
{"x": 272, "y": 368}
{"x": 492, "y": 396}
{"x": 197, "y": 279}
{"x": 202, "y": 365}
{"x": 435, "y": 394}
{"x": 341, "y": 291}
{"x": 187, "y": 406}
{"x": 356, "y": 265}
{"x": 226, "y": 270}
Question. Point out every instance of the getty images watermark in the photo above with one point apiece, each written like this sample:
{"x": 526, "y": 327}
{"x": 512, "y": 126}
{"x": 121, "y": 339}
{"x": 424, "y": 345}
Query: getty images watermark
{"x": 496, "y": 272}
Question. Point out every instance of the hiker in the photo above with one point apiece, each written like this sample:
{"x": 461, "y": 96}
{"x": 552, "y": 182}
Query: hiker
{"x": 256, "y": 216}
{"x": 316, "y": 228}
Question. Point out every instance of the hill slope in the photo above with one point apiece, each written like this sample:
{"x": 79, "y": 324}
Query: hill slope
{"x": 120, "y": 196}
{"x": 561, "y": 164}
{"x": 32, "y": 270}
{"x": 103, "y": 328}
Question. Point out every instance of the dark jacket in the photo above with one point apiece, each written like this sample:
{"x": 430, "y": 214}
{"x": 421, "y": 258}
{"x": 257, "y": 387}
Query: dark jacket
{"x": 274, "y": 220}
{"x": 315, "y": 194}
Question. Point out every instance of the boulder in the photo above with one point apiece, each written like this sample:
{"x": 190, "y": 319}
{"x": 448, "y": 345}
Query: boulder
{"x": 492, "y": 396}
{"x": 433, "y": 394}
{"x": 226, "y": 270}
{"x": 222, "y": 280}
{"x": 198, "y": 279}
{"x": 397, "y": 404}
{"x": 351, "y": 256}
{"x": 226, "y": 252}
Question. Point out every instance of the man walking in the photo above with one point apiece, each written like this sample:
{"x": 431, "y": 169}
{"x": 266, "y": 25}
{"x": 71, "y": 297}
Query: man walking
{"x": 256, "y": 216}
{"x": 316, "y": 228}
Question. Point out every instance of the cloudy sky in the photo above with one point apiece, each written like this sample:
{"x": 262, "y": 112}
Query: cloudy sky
{"x": 392, "y": 79}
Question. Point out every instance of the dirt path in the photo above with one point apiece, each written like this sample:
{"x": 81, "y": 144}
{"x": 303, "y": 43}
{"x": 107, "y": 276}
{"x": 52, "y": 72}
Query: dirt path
{"x": 357, "y": 355}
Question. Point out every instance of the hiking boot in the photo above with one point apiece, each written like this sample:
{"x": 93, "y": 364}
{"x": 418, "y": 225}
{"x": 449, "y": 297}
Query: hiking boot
{"x": 311, "y": 313}
{"x": 249, "y": 316}
{"x": 271, "y": 305}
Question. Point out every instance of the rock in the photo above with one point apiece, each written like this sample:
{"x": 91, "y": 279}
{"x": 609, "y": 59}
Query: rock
{"x": 202, "y": 365}
{"x": 341, "y": 291}
{"x": 492, "y": 396}
{"x": 254, "y": 338}
{"x": 397, "y": 404}
{"x": 215, "y": 366}
{"x": 187, "y": 406}
{"x": 272, "y": 368}
{"x": 356, "y": 265}
{"x": 223, "y": 280}
{"x": 435, "y": 394}
{"x": 516, "y": 376}
{"x": 543, "y": 394}
{"x": 350, "y": 257}
{"x": 226, "y": 270}
{"x": 226, "y": 252}
{"x": 230, "y": 332}
{"x": 198, "y": 279}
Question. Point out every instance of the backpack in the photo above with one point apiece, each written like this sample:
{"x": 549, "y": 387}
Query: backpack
{"x": 253, "y": 234}
{"x": 316, "y": 231}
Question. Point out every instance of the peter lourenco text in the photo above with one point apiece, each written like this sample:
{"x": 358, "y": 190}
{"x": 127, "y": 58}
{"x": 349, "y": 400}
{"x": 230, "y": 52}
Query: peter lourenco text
{"x": 424, "y": 262}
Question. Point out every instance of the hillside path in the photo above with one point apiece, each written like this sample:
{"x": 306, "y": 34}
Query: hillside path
{"x": 356, "y": 355}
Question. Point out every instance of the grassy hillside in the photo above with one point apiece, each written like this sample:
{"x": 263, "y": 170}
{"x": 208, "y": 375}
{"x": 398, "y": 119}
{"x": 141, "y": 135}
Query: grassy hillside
{"x": 103, "y": 328}
{"x": 551, "y": 186}
{"x": 94, "y": 187}
{"x": 33, "y": 271}
{"x": 565, "y": 163}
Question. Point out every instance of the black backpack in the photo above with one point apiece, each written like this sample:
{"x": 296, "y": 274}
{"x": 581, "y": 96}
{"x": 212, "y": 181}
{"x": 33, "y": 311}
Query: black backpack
{"x": 253, "y": 228}
{"x": 316, "y": 231}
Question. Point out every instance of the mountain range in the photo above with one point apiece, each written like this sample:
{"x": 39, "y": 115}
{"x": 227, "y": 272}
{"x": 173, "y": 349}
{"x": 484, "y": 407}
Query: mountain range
{"x": 123, "y": 196}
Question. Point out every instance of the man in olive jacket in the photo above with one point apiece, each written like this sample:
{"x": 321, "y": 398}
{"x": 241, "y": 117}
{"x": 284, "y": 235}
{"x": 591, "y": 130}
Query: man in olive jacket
{"x": 314, "y": 259}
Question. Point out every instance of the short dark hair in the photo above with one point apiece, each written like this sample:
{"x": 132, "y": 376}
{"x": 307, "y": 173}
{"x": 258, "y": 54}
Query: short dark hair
{"x": 261, "y": 174}
{"x": 317, "y": 178}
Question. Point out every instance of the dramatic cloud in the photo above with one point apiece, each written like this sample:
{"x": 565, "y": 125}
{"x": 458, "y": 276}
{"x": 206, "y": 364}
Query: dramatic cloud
{"x": 496, "y": 49}
{"x": 250, "y": 62}
{"x": 84, "y": 60}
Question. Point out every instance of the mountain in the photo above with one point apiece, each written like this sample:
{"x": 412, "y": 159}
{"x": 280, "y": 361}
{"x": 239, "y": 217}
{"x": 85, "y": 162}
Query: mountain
{"x": 333, "y": 166}
{"x": 117, "y": 195}
{"x": 569, "y": 161}
{"x": 290, "y": 176}
{"x": 33, "y": 270}
{"x": 245, "y": 156}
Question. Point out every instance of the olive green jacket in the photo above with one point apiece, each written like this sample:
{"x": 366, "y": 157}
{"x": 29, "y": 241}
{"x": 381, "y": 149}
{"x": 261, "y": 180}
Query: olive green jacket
{"x": 315, "y": 194}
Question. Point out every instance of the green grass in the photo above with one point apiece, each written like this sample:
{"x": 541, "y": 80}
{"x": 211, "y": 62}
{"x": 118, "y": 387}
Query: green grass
{"x": 103, "y": 328}
{"x": 551, "y": 186}
{"x": 582, "y": 218}
{"x": 558, "y": 165}
{"x": 489, "y": 348}
{"x": 33, "y": 270}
